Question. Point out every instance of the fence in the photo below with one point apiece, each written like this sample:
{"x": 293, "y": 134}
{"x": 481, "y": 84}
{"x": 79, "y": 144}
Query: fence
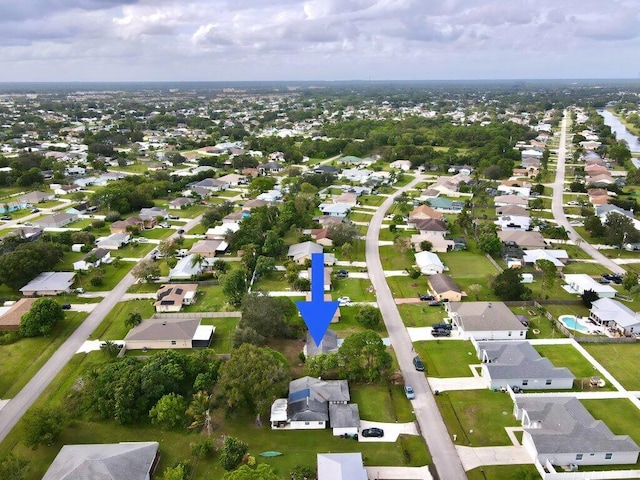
{"x": 184, "y": 316}
{"x": 550, "y": 474}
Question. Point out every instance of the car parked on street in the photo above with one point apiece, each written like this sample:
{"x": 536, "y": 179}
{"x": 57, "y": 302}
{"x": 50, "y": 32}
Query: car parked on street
{"x": 418, "y": 364}
{"x": 408, "y": 391}
{"x": 373, "y": 432}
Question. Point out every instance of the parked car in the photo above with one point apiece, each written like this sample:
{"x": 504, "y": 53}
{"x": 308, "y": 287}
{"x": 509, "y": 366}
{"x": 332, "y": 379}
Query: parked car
{"x": 165, "y": 225}
{"x": 35, "y": 210}
{"x": 425, "y": 297}
{"x": 441, "y": 332}
{"x": 434, "y": 303}
{"x": 408, "y": 391}
{"x": 342, "y": 274}
{"x": 373, "y": 432}
{"x": 442, "y": 326}
{"x": 418, "y": 364}
{"x": 66, "y": 306}
{"x": 173, "y": 217}
{"x": 344, "y": 301}
{"x": 5, "y": 217}
{"x": 612, "y": 277}
{"x": 181, "y": 231}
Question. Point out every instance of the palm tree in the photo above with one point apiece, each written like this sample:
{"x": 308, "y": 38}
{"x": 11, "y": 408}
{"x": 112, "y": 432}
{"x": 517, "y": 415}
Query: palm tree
{"x": 197, "y": 260}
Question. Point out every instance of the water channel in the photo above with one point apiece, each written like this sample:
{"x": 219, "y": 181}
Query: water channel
{"x": 620, "y": 130}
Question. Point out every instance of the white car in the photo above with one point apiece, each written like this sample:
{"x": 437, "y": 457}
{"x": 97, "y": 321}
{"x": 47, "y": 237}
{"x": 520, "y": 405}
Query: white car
{"x": 573, "y": 203}
{"x": 344, "y": 301}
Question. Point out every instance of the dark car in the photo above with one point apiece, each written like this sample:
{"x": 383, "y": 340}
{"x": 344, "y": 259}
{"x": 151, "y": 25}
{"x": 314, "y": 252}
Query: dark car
{"x": 441, "y": 332}
{"x": 342, "y": 274}
{"x": 181, "y": 231}
{"x": 418, "y": 364}
{"x": 441, "y": 326}
{"x": 425, "y": 297}
{"x": 434, "y": 303}
{"x": 373, "y": 432}
{"x": 5, "y": 217}
{"x": 66, "y": 306}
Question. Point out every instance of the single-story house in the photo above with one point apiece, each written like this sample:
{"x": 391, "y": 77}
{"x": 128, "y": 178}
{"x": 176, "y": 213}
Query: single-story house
{"x": 326, "y": 277}
{"x": 327, "y": 220}
{"x": 514, "y": 189}
{"x": 512, "y": 210}
{"x": 322, "y": 237}
{"x": 235, "y": 217}
{"x": 348, "y": 198}
{"x": 335, "y": 209}
{"x": 112, "y": 461}
{"x": 613, "y": 314}
{"x": 153, "y": 212}
{"x": 160, "y": 333}
{"x": 10, "y": 316}
{"x": 579, "y": 282}
{"x": 429, "y": 263}
{"x": 220, "y": 232}
{"x": 180, "y": 202}
{"x": 185, "y": 269}
{"x": 598, "y": 196}
{"x": 36, "y": 197}
{"x": 209, "y": 248}
{"x": 211, "y": 184}
{"x": 603, "y": 211}
{"x": 328, "y": 344}
{"x": 233, "y": 179}
{"x": 171, "y": 297}
{"x": 65, "y": 189}
{"x": 600, "y": 180}
{"x": 253, "y": 203}
{"x": 341, "y": 466}
{"x": 524, "y": 240}
{"x": 404, "y": 165}
{"x": 31, "y": 234}
{"x": 424, "y": 212}
{"x": 93, "y": 259}
{"x": 271, "y": 196}
{"x": 450, "y": 185}
{"x": 485, "y": 321}
{"x": 301, "y": 252}
{"x": 439, "y": 244}
{"x": 124, "y": 226}
{"x": 431, "y": 226}
{"x": 356, "y": 175}
{"x": 561, "y": 431}
{"x": 57, "y": 220}
{"x": 558, "y": 257}
{"x": 270, "y": 168}
{"x": 519, "y": 364}
{"x": 513, "y": 222}
{"x": 113, "y": 241}
{"x": 444, "y": 288}
{"x": 49, "y": 283}
{"x": 504, "y": 200}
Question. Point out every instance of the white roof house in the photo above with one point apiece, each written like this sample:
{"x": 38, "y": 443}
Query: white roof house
{"x": 356, "y": 175}
{"x": 341, "y": 466}
{"x": 335, "y": 209}
{"x": 612, "y": 313}
{"x": 557, "y": 257}
{"x": 513, "y": 222}
{"x": 523, "y": 192}
{"x": 113, "y": 241}
{"x": 184, "y": 270}
{"x": 579, "y": 282}
{"x": 486, "y": 321}
{"x": 49, "y": 283}
{"x": 429, "y": 263}
{"x": 270, "y": 196}
{"x": 220, "y": 232}
{"x": 300, "y": 252}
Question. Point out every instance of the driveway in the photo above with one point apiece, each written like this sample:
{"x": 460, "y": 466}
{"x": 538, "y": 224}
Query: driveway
{"x": 418, "y": 334}
{"x": 476, "y": 457}
{"x": 398, "y": 473}
{"x": 391, "y": 431}
{"x": 457, "y": 383}
{"x": 83, "y": 307}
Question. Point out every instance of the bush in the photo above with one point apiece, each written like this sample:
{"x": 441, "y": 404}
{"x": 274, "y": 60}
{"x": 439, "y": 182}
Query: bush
{"x": 303, "y": 472}
{"x": 98, "y": 223}
{"x": 202, "y": 449}
{"x": 8, "y": 338}
{"x": 369, "y": 316}
{"x": 233, "y": 451}
{"x": 97, "y": 280}
{"x": 112, "y": 217}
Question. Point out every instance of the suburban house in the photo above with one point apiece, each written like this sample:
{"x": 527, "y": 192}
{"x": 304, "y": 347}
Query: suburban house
{"x": 404, "y": 165}
{"x": 603, "y": 211}
{"x": 233, "y": 179}
{"x": 186, "y": 269}
{"x": 253, "y": 203}
{"x": 504, "y": 200}
{"x": 561, "y": 431}
{"x": 180, "y": 202}
{"x": 93, "y": 259}
{"x": 431, "y": 226}
{"x": 612, "y": 314}
{"x": 335, "y": 209}
{"x": 36, "y": 197}
{"x": 439, "y": 244}
{"x": 512, "y": 210}
{"x": 270, "y": 168}
{"x": 328, "y": 344}
{"x": 113, "y": 241}
{"x": 220, "y": 232}
{"x": 65, "y": 189}
{"x": 444, "y": 288}
{"x": 558, "y": 257}
{"x": 485, "y": 321}
{"x": 326, "y": 280}
{"x": 160, "y": 333}
{"x": 579, "y": 282}
{"x": 348, "y": 198}
{"x": 524, "y": 240}
{"x": 513, "y": 188}
{"x": 301, "y": 252}
{"x": 30, "y": 234}
{"x": 322, "y": 237}
{"x": 124, "y": 226}
{"x": 209, "y": 248}
{"x": 153, "y": 213}
{"x": 600, "y": 180}
{"x": 49, "y": 284}
{"x": 271, "y": 196}
{"x": 513, "y": 222}
{"x": 11, "y": 315}
{"x": 341, "y": 466}
{"x": 519, "y": 364}
{"x": 112, "y": 461}
{"x": 315, "y": 404}
{"x": 598, "y": 196}
{"x": 210, "y": 184}
{"x": 356, "y": 175}
{"x": 450, "y": 185}
{"x": 429, "y": 263}
{"x": 171, "y": 297}
{"x": 424, "y": 212}
{"x": 57, "y": 220}
{"x": 327, "y": 220}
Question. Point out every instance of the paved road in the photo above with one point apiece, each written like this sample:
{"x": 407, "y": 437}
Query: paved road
{"x": 428, "y": 416}
{"x": 558, "y": 211}
{"x": 17, "y": 406}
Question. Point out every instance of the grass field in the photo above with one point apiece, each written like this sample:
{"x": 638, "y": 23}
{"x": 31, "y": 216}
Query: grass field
{"x": 392, "y": 259}
{"x": 468, "y": 264}
{"x": 112, "y": 276}
{"x": 210, "y": 299}
{"x": 621, "y": 360}
{"x": 348, "y": 323}
{"x": 406, "y": 287}
{"x": 568, "y": 356}
{"x": 477, "y": 417}
{"x": 504, "y": 472}
{"x": 22, "y": 359}
{"x": 447, "y": 359}
{"x": 113, "y": 327}
{"x": 358, "y": 289}
{"x": 134, "y": 250}
{"x": 420, "y": 314}
{"x": 157, "y": 233}
{"x": 382, "y": 403}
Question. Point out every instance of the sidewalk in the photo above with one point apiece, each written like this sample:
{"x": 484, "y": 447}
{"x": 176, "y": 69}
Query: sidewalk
{"x": 398, "y": 473}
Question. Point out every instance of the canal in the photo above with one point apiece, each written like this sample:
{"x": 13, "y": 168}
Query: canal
{"x": 620, "y": 130}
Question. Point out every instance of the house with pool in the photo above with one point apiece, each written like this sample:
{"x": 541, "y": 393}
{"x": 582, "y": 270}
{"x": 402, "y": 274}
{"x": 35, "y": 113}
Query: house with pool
{"x": 613, "y": 314}
{"x": 518, "y": 364}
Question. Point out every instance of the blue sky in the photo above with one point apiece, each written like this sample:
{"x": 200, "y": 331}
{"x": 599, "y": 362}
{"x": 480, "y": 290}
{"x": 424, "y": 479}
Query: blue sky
{"x": 130, "y": 40}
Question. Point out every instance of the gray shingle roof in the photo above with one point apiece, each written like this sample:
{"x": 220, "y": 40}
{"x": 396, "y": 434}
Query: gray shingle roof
{"x": 485, "y": 316}
{"x": 344, "y": 416}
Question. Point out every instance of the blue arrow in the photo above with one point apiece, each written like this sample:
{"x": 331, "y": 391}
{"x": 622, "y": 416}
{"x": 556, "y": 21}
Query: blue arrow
{"x": 317, "y": 313}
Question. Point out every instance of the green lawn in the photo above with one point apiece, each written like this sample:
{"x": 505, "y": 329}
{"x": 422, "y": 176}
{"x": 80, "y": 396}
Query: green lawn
{"x": 371, "y": 200}
{"x": 420, "y": 314}
{"x": 447, "y": 358}
{"x": 406, "y": 287}
{"x": 568, "y": 356}
{"x": 223, "y": 336}
{"x": 504, "y": 472}
{"x": 210, "y": 299}
{"x": 113, "y": 327}
{"x": 619, "y": 414}
{"x": 382, "y": 403}
{"x": 468, "y": 264}
{"x": 348, "y": 323}
{"x": 583, "y": 267}
{"x": 357, "y": 252}
{"x": 358, "y": 289}
{"x": 66, "y": 264}
{"x": 388, "y": 235}
{"x": 22, "y": 359}
{"x": 392, "y": 259}
{"x": 275, "y": 282}
{"x": 134, "y": 250}
{"x": 621, "y": 360}
{"x": 157, "y": 233}
{"x": 361, "y": 216}
{"x": 477, "y": 417}
{"x": 112, "y": 276}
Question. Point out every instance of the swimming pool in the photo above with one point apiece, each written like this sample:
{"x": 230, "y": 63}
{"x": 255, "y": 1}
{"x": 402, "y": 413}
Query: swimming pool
{"x": 572, "y": 323}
